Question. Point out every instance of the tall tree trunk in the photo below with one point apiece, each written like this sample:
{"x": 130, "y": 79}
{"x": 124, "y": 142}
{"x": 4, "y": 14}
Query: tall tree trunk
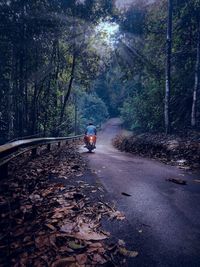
{"x": 168, "y": 68}
{"x": 68, "y": 90}
{"x": 197, "y": 82}
{"x": 34, "y": 111}
{"x": 26, "y": 93}
{"x": 9, "y": 112}
{"x": 76, "y": 114}
{"x": 33, "y": 117}
{"x": 21, "y": 70}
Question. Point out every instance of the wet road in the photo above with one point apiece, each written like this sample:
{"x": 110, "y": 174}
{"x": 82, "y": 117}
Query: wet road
{"x": 164, "y": 218}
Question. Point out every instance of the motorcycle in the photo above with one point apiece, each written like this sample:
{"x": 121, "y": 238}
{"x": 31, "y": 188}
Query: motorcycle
{"x": 90, "y": 142}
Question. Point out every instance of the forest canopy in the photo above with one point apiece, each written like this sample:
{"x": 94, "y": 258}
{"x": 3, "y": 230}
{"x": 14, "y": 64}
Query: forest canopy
{"x": 136, "y": 59}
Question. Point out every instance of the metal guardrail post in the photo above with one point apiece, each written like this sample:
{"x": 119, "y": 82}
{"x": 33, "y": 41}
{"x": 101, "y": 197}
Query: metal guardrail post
{"x": 59, "y": 144}
{"x": 34, "y": 152}
{"x": 49, "y": 147}
{"x": 4, "y": 171}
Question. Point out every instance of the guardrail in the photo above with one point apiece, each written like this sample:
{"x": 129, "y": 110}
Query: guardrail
{"x": 14, "y": 149}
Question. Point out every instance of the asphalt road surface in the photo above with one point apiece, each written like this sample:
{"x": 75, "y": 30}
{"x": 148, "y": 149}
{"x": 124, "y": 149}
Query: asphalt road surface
{"x": 163, "y": 217}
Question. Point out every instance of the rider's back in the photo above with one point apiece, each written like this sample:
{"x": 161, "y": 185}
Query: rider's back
{"x": 91, "y": 130}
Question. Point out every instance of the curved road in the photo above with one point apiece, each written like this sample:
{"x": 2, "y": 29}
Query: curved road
{"x": 164, "y": 218}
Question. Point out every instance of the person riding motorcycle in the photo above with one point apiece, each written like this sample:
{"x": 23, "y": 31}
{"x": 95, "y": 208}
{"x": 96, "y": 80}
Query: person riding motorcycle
{"x": 90, "y": 131}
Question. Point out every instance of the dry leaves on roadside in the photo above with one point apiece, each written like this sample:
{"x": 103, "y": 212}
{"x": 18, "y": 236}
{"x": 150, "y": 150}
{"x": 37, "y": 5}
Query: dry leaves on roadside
{"x": 197, "y": 180}
{"x": 182, "y": 151}
{"x": 177, "y": 181}
{"x": 50, "y": 223}
{"x": 128, "y": 253}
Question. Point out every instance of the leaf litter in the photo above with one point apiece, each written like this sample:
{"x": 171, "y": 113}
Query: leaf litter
{"x": 179, "y": 150}
{"x": 126, "y": 194}
{"x": 177, "y": 181}
{"x": 46, "y": 222}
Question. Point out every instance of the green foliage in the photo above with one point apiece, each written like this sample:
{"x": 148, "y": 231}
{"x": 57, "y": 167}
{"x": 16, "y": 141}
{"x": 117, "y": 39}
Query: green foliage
{"x": 92, "y": 109}
{"x": 44, "y": 52}
{"x": 111, "y": 89}
{"x": 142, "y": 111}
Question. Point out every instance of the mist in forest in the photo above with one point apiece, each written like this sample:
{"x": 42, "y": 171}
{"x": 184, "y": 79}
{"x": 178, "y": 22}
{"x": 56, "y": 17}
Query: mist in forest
{"x": 128, "y": 3}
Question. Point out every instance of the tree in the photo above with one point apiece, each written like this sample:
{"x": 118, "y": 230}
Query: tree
{"x": 44, "y": 44}
{"x": 168, "y": 68}
{"x": 197, "y": 77}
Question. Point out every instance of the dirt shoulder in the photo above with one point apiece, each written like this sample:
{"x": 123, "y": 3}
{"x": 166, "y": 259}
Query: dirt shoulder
{"x": 180, "y": 151}
{"x": 52, "y": 210}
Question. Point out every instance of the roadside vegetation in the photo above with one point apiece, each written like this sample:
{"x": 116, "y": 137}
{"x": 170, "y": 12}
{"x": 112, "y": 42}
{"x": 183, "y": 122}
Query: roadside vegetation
{"x": 65, "y": 63}
{"x": 183, "y": 152}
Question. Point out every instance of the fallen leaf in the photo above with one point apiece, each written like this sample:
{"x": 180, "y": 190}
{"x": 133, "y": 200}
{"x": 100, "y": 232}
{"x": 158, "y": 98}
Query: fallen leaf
{"x": 197, "y": 180}
{"x": 94, "y": 191}
{"x": 117, "y": 215}
{"x": 127, "y": 253}
{"x": 177, "y": 181}
{"x": 58, "y": 215}
{"x": 68, "y": 227}
{"x": 125, "y": 194}
{"x": 121, "y": 243}
{"x": 42, "y": 241}
{"x": 50, "y": 226}
{"x": 35, "y": 198}
{"x": 89, "y": 236}
{"x": 95, "y": 247}
{"x": 75, "y": 246}
{"x": 65, "y": 262}
{"x": 182, "y": 161}
{"x": 81, "y": 259}
{"x": 78, "y": 175}
{"x": 97, "y": 258}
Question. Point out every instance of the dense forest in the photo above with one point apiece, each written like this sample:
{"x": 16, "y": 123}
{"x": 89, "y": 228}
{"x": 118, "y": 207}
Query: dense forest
{"x": 64, "y": 63}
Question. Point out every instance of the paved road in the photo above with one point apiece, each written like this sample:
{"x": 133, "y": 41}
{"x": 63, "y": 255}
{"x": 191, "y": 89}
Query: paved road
{"x": 164, "y": 218}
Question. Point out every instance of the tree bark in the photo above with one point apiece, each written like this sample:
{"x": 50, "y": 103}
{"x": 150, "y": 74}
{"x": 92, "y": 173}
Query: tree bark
{"x": 168, "y": 69}
{"x": 22, "y": 71}
{"x": 68, "y": 90}
{"x": 34, "y": 110}
{"x": 197, "y": 82}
